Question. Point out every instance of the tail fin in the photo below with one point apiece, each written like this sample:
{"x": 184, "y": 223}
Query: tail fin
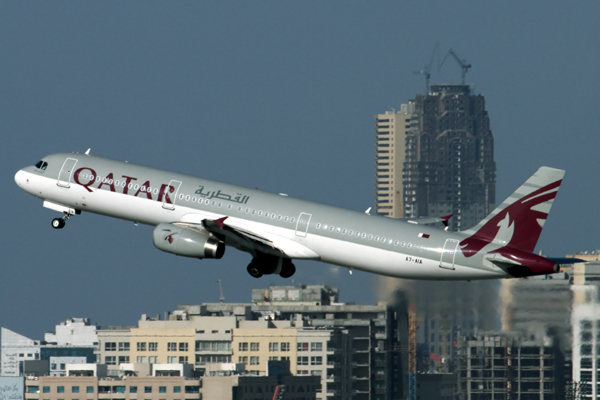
{"x": 519, "y": 220}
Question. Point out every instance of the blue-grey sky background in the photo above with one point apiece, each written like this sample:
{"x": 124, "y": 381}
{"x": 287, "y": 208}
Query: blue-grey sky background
{"x": 275, "y": 95}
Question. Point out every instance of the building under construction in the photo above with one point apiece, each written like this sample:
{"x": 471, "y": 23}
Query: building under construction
{"x": 449, "y": 166}
{"x": 501, "y": 366}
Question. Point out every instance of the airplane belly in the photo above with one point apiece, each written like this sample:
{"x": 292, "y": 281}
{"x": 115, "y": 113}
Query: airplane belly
{"x": 390, "y": 263}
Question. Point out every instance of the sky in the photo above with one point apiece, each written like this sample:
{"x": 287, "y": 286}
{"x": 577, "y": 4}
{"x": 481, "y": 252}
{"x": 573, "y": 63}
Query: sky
{"x": 275, "y": 95}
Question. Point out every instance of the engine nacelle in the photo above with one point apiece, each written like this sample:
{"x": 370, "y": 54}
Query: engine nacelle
{"x": 196, "y": 243}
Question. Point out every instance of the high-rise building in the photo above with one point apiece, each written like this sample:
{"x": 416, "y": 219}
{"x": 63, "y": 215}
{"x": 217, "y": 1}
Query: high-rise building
{"x": 391, "y": 129}
{"x": 449, "y": 166}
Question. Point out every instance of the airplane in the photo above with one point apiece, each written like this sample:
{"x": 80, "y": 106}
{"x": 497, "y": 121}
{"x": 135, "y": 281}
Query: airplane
{"x": 199, "y": 218}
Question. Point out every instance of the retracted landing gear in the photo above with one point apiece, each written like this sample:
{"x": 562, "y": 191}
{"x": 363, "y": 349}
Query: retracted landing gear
{"x": 59, "y": 223}
{"x": 264, "y": 264}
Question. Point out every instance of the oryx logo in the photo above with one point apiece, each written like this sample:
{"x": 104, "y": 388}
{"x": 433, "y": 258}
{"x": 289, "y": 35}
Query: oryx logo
{"x": 169, "y": 238}
{"x": 518, "y": 225}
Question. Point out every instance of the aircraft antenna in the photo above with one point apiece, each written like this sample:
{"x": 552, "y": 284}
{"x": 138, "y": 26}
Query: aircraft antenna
{"x": 222, "y": 299}
{"x": 464, "y": 65}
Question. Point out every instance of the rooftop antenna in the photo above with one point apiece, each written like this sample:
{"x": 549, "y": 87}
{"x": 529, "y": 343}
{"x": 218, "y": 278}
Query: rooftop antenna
{"x": 464, "y": 65}
{"x": 427, "y": 70}
{"x": 222, "y": 299}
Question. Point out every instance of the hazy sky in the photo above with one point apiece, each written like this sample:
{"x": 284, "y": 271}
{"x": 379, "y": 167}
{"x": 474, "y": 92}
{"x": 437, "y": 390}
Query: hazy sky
{"x": 275, "y": 95}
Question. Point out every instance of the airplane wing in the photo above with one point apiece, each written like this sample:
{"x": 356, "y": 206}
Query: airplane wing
{"x": 250, "y": 238}
{"x": 429, "y": 220}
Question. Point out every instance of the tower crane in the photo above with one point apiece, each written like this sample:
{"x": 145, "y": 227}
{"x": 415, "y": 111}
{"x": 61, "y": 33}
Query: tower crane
{"x": 464, "y": 65}
{"x": 412, "y": 352}
{"x": 222, "y": 299}
{"x": 427, "y": 70}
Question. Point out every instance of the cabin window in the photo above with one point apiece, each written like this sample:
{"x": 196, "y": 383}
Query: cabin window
{"x": 318, "y": 226}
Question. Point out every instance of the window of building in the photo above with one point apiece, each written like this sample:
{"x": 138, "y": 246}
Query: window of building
{"x": 162, "y": 389}
{"x": 192, "y": 389}
{"x": 60, "y": 389}
{"x": 172, "y": 360}
{"x": 74, "y": 389}
{"x": 243, "y": 359}
{"x": 33, "y": 389}
{"x": 118, "y": 389}
{"x": 176, "y": 389}
{"x": 89, "y": 389}
{"x": 183, "y": 346}
{"x": 110, "y": 360}
{"x": 123, "y": 346}
{"x": 171, "y": 346}
{"x": 183, "y": 360}
{"x": 110, "y": 346}
{"x": 273, "y": 358}
{"x": 152, "y": 346}
{"x": 243, "y": 346}
{"x": 302, "y": 361}
{"x": 141, "y": 346}
{"x": 254, "y": 360}
{"x": 141, "y": 360}
{"x": 285, "y": 346}
{"x": 123, "y": 359}
{"x": 132, "y": 389}
{"x": 303, "y": 346}
{"x": 63, "y": 366}
{"x": 316, "y": 346}
{"x": 316, "y": 360}
{"x": 46, "y": 389}
{"x": 254, "y": 346}
{"x": 273, "y": 346}
{"x": 147, "y": 389}
{"x": 152, "y": 359}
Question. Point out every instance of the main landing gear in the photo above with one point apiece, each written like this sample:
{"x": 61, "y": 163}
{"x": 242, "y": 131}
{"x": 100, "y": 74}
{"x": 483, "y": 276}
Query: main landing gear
{"x": 59, "y": 223}
{"x": 264, "y": 264}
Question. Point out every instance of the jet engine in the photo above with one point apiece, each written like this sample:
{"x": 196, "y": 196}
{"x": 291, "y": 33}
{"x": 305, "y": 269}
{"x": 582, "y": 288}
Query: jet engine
{"x": 187, "y": 241}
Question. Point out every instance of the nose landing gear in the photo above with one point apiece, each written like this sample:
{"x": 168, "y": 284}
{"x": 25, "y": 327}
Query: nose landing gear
{"x": 59, "y": 223}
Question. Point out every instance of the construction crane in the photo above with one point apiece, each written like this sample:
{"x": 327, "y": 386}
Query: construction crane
{"x": 222, "y": 299}
{"x": 464, "y": 65}
{"x": 412, "y": 352}
{"x": 427, "y": 70}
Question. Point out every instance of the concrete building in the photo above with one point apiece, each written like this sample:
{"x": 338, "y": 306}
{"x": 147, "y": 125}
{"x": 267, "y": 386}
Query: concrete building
{"x": 113, "y": 345}
{"x": 436, "y": 386}
{"x": 539, "y": 305}
{"x": 362, "y": 349}
{"x": 16, "y": 349}
{"x": 449, "y": 166}
{"x": 507, "y": 366}
{"x": 73, "y": 341}
{"x": 73, "y": 332}
{"x": 585, "y": 323}
{"x": 390, "y": 138}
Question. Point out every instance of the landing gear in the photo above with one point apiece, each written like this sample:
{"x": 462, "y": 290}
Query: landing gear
{"x": 264, "y": 264}
{"x": 254, "y": 270}
{"x": 59, "y": 223}
{"x": 287, "y": 268}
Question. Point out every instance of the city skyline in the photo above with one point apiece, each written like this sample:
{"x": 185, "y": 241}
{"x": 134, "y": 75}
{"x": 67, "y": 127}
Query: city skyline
{"x": 279, "y": 97}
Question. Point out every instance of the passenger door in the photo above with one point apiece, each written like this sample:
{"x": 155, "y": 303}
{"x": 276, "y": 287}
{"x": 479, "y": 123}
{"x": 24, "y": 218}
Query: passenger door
{"x": 64, "y": 176}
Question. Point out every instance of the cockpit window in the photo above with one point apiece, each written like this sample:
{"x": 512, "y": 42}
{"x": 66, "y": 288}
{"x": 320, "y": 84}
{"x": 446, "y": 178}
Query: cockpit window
{"x": 41, "y": 165}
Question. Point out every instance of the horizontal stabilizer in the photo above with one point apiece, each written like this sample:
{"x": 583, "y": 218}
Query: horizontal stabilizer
{"x": 566, "y": 261}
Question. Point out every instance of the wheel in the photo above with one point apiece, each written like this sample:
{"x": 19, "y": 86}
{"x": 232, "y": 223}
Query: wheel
{"x": 287, "y": 269}
{"x": 58, "y": 223}
{"x": 254, "y": 270}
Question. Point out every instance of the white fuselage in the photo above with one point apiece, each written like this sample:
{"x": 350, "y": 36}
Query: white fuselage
{"x": 301, "y": 229}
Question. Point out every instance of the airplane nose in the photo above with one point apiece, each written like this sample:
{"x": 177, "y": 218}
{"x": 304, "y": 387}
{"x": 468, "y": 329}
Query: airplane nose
{"x": 21, "y": 179}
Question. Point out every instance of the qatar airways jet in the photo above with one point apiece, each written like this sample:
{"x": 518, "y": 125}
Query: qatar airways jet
{"x": 197, "y": 217}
